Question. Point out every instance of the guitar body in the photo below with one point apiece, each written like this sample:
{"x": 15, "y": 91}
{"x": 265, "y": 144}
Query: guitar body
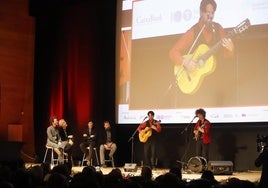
{"x": 197, "y": 135}
{"x": 189, "y": 82}
{"x": 145, "y": 134}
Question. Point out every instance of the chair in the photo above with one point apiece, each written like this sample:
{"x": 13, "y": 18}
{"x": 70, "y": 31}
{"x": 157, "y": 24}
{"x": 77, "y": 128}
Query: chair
{"x": 65, "y": 158}
{"x": 96, "y": 155}
{"x": 110, "y": 159}
{"x": 53, "y": 160}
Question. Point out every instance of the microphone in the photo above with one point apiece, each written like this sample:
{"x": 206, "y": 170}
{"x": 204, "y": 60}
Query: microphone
{"x": 144, "y": 118}
{"x": 213, "y": 27}
{"x": 208, "y": 18}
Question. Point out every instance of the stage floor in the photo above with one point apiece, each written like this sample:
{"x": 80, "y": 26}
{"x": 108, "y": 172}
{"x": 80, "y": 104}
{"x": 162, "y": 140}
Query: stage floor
{"x": 252, "y": 176}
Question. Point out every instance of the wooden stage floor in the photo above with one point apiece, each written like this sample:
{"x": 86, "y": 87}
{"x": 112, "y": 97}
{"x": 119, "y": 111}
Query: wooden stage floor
{"x": 252, "y": 176}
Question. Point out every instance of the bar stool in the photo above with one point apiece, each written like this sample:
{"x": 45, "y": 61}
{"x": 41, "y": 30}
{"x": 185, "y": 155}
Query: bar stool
{"x": 110, "y": 159}
{"x": 53, "y": 160}
{"x": 96, "y": 155}
{"x": 65, "y": 158}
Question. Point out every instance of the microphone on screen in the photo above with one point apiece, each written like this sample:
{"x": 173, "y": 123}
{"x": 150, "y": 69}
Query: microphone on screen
{"x": 213, "y": 27}
{"x": 208, "y": 18}
{"x": 144, "y": 118}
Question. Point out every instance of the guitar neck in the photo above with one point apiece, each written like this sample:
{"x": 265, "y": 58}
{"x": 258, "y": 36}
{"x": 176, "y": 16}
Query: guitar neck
{"x": 212, "y": 50}
{"x": 237, "y": 30}
{"x": 209, "y": 53}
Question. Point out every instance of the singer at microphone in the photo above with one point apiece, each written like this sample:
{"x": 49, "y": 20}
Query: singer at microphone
{"x": 209, "y": 18}
{"x": 148, "y": 131}
{"x": 202, "y": 134}
{"x": 199, "y": 39}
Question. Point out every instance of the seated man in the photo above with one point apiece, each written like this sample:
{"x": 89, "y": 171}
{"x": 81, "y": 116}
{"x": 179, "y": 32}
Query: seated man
{"x": 66, "y": 138}
{"x": 53, "y": 138}
{"x": 107, "y": 143}
{"x": 90, "y": 136}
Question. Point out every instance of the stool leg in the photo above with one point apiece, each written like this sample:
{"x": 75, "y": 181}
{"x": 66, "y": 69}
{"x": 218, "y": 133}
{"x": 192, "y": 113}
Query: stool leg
{"x": 44, "y": 160}
{"x": 83, "y": 160}
{"x": 112, "y": 161}
{"x": 52, "y": 157}
{"x": 96, "y": 154}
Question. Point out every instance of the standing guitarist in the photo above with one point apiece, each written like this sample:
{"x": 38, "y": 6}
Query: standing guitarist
{"x": 202, "y": 134}
{"x": 147, "y": 133}
{"x": 204, "y": 32}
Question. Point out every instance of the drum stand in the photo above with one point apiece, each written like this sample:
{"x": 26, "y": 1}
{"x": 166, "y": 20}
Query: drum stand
{"x": 184, "y": 167}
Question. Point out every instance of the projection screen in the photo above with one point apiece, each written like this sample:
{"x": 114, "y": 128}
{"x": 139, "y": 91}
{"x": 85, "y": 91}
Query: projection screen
{"x": 234, "y": 90}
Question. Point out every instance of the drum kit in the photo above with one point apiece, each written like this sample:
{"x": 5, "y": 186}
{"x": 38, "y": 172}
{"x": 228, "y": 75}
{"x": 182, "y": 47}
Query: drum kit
{"x": 195, "y": 164}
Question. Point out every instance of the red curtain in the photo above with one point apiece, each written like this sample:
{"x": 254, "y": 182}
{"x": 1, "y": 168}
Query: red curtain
{"x": 72, "y": 84}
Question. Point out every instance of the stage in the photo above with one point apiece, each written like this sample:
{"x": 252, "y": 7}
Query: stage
{"x": 252, "y": 176}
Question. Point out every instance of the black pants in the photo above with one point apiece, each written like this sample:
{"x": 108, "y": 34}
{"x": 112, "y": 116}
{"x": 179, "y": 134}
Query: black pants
{"x": 150, "y": 153}
{"x": 68, "y": 149}
{"x": 202, "y": 149}
{"x": 88, "y": 152}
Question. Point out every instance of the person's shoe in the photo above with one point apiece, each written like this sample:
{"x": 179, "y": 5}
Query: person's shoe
{"x": 103, "y": 165}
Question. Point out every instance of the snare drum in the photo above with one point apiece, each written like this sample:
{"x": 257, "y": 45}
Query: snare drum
{"x": 197, "y": 164}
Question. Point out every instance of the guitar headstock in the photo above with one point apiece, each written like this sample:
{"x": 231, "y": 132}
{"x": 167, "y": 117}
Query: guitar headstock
{"x": 243, "y": 26}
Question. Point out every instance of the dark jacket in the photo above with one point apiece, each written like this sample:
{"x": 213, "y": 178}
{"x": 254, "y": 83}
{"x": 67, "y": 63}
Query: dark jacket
{"x": 63, "y": 136}
{"x": 91, "y": 140}
{"x": 103, "y": 135}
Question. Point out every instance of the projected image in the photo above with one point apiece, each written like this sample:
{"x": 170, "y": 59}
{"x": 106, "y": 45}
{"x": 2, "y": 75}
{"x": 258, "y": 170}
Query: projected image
{"x": 176, "y": 57}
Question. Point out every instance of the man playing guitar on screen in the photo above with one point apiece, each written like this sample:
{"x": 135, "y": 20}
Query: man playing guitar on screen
{"x": 147, "y": 134}
{"x": 202, "y": 134}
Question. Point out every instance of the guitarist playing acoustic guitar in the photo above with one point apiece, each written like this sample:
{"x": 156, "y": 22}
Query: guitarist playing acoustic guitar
{"x": 202, "y": 134}
{"x": 201, "y": 37}
{"x": 147, "y": 134}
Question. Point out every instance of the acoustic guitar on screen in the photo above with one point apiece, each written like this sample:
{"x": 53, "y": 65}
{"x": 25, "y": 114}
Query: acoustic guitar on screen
{"x": 146, "y": 132}
{"x": 189, "y": 82}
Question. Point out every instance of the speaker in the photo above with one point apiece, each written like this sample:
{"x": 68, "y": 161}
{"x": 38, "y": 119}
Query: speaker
{"x": 130, "y": 167}
{"x": 221, "y": 167}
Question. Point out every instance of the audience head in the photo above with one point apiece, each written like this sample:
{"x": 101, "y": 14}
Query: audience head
{"x": 57, "y": 180}
{"x": 146, "y": 172}
{"x": 176, "y": 171}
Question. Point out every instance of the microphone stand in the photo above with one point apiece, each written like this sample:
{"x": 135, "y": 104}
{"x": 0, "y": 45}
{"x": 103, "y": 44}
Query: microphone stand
{"x": 132, "y": 144}
{"x": 132, "y": 141}
{"x": 188, "y": 144}
{"x": 186, "y": 128}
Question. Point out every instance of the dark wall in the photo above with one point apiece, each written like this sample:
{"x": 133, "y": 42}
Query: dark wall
{"x": 230, "y": 142}
{"x": 16, "y": 75}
